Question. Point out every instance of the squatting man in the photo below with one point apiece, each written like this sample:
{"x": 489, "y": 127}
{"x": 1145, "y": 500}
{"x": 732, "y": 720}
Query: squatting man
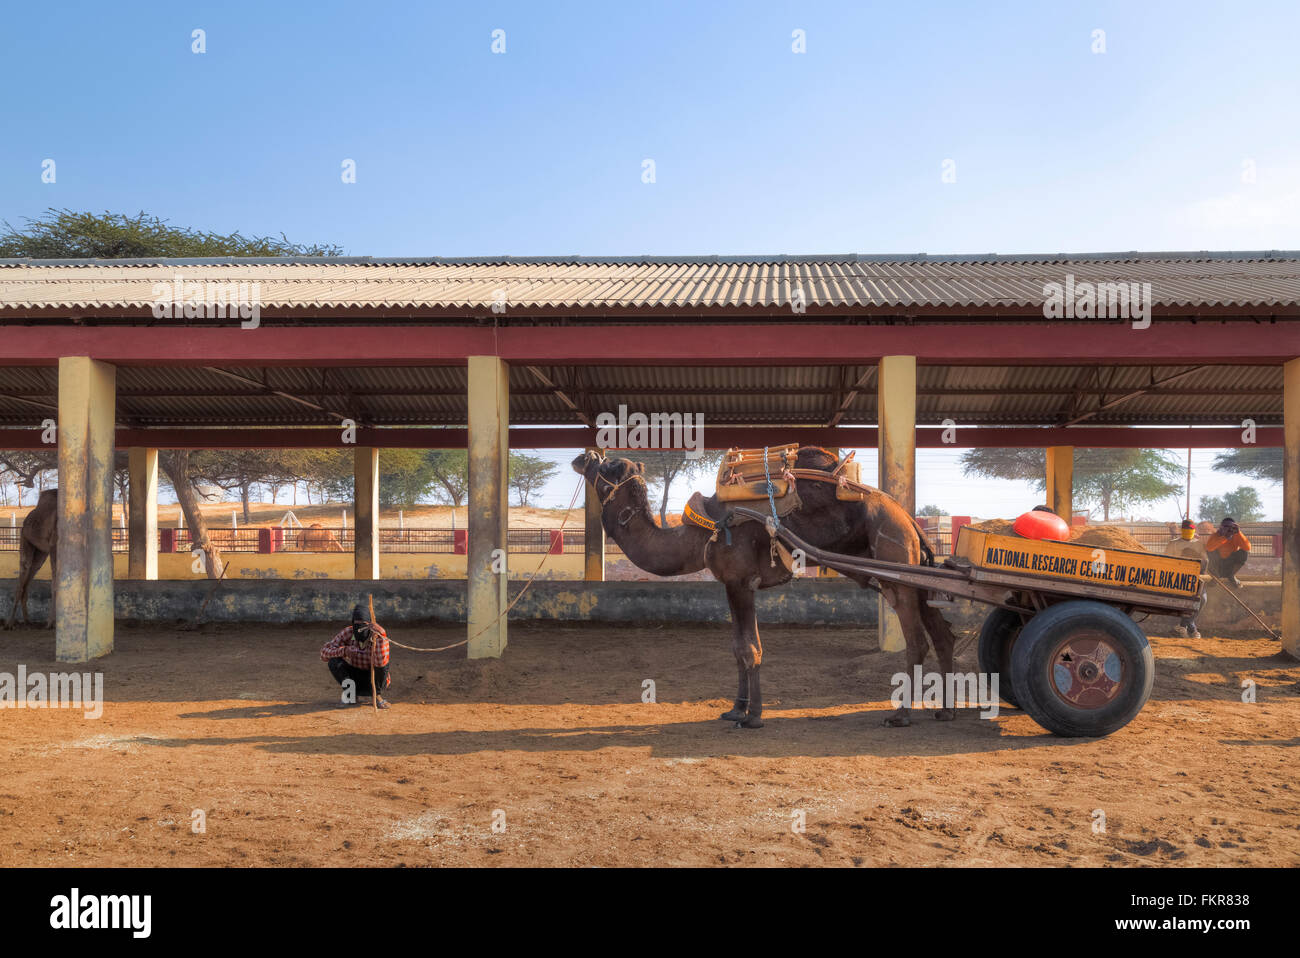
{"x": 350, "y": 654}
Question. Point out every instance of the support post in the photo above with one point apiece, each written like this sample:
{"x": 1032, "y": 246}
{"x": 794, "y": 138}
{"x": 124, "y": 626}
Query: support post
{"x": 83, "y": 587}
{"x": 1060, "y": 481}
{"x": 896, "y": 413}
{"x": 594, "y": 536}
{"x": 365, "y": 513}
{"x": 1291, "y": 509}
{"x": 142, "y": 490}
{"x": 489, "y": 451}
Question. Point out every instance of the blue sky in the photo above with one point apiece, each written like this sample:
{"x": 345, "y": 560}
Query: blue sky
{"x": 1183, "y": 134}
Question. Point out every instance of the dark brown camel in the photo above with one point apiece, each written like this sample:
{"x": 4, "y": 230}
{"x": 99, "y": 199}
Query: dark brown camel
{"x": 876, "y": 528}
{"x": 37, "y": 540}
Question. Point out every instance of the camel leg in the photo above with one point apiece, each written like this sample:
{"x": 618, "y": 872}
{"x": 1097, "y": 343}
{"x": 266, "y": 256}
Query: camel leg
{"x": 749, "y": 652}
{"x": 738, "y": 707}
{"x": 30, "y": 560}
{"x": 54, "y": 582}
{"x": 943, "y": 640}
{"x": 905, "y": 603}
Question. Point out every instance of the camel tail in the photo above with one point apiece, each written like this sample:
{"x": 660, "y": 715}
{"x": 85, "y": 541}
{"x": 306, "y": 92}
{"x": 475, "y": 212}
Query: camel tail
{"x": 926, "y": 548}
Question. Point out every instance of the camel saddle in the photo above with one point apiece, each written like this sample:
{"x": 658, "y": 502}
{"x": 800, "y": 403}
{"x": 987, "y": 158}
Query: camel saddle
{"x": 744, "y": 473}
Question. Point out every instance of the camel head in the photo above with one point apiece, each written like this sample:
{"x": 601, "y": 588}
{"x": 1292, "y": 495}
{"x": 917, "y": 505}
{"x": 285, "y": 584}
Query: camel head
{"x": 612, "y": 478}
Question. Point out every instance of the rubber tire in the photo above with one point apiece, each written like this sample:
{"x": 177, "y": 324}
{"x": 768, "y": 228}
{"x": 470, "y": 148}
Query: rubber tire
{"x": 1038, "y": 640}
{"x": 997, "y": 638}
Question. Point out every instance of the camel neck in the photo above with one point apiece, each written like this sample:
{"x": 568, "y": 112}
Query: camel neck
{"x": 675, "y": 550}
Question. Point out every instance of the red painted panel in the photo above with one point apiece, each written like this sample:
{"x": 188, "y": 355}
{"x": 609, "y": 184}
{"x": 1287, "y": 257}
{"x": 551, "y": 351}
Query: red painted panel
{"x": 1017, "y": 343}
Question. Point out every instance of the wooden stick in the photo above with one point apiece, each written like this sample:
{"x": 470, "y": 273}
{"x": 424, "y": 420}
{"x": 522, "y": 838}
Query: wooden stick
{"x": 374, "y": 690}
{"x": 1239, "y": 602}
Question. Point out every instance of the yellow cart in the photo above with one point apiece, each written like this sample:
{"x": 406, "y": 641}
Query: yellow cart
{"x": 1061, "y": 638}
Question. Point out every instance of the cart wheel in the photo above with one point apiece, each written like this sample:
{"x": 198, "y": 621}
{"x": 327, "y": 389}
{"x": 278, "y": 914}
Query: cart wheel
{"x": 997, "y": 638}
{"x": 1082, "y": 668}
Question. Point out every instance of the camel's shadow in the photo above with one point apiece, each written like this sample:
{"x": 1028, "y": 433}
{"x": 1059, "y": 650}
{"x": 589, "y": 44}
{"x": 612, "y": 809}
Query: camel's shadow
{"x": 851, "y": 734}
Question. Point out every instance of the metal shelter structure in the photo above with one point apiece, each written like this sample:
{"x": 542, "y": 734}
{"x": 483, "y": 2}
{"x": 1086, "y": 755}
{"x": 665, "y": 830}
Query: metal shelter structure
{"x": 1048, "y": 351}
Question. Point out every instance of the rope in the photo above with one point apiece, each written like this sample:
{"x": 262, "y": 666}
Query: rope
{"x": 771, "y": 500}
{"x": 506, "y": 610}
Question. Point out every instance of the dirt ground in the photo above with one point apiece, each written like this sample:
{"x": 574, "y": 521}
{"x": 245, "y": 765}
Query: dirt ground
{"x": 554, "y": 740}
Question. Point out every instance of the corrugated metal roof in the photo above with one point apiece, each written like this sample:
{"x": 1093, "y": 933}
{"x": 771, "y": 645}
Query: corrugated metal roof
{"x": 1255, "y": 279}
{"x": 752, "y": 395}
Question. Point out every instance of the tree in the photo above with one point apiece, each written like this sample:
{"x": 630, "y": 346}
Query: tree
{"x": 176, "y": 463}
{"x": 1253, "y": 461}
{"x": 238, "y": 471}
{"x": 528, "y": 474}
{"x": 66, "y": 234}
{"x": 450, "y": 469}
{"x": 664, "y": 466}
{"x": 1114, "y": 479}
{"x": 931, "y": 511}
{"x": 27, "y": 469}
{"x": 404, "y": 477}
{"x": 1242, "y": 503}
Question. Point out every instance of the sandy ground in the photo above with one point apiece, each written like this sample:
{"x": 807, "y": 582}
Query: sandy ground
{"x": 243, "y": 725}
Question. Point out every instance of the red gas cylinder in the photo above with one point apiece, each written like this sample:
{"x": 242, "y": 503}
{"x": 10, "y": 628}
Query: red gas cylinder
{"x": 1042, "y": 525}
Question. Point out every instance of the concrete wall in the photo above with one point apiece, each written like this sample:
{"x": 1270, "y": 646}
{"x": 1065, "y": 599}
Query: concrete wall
{"x": 810, "y": 602}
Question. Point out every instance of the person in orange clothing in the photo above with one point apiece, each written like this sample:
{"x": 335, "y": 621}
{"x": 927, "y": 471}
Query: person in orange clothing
{"x": 1228, "y": 550}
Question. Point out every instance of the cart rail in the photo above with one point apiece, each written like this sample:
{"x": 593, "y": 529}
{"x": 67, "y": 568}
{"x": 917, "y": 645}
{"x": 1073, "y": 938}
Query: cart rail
{"x": 961, "y": 578}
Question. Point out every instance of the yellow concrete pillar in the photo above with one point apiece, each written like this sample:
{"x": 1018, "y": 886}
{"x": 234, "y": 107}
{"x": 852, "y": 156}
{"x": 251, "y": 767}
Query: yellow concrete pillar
{"x": 1291, "y": 509}
{"x": 896, "y": 419}
{"x": 594, "y": 535}
{"x": 489, "y": 453}
{"x": 83, "y": 586}
{"x": 1060, "y": 481}
{"x": 143, "y": 533}
{"x": 365, "y": 513}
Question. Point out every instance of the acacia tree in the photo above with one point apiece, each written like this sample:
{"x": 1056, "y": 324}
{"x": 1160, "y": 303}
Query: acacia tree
{"x": 1113, "y": 479}
{"x": 1263, "y": 464}
{"x": 184, "y": 477}
{"x": 665, "y": 466}
{"x": 67, "y": 234}
{"x": 450, "y": 470}
{"x": 1242, "y": 503}
{"x": 528, "y": 474}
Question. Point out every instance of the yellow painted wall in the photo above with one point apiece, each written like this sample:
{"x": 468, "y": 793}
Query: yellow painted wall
{"x": 326, "y": 565}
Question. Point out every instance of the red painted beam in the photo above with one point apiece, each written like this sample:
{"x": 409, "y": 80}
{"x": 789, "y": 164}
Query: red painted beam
{"x": 715, "y": 437}
{"x": 1038, "y": 343}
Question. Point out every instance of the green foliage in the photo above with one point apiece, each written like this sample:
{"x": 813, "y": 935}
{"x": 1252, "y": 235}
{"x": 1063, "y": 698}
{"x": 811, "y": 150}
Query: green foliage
{"x": 404, "y": 477}
{"x": 1242, "y": 503}
{"x": 665, "y": 466}
{"x": 529, "y": 474}
{"x": 1255, "y": 462}
{"x": 931, "y": 511}
{"x": 1113, "y": 479}
{"x": 450, "y": 472}
{"x": 67, "y": 234}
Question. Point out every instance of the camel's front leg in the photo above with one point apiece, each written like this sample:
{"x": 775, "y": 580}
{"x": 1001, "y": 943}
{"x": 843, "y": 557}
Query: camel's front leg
{"x": 904, "y": 603}
{"x": 944, "y": 641}
{"x": 54, "y": 584}
{"x": 749, "y": 654}
{"x": 29, "y": 560}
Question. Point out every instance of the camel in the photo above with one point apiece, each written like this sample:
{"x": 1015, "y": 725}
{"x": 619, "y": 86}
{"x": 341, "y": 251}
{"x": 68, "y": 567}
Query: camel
{"x": 38, "y": 538}
{"x": 315, "y": 538}
{"x": 878, "y": 527}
